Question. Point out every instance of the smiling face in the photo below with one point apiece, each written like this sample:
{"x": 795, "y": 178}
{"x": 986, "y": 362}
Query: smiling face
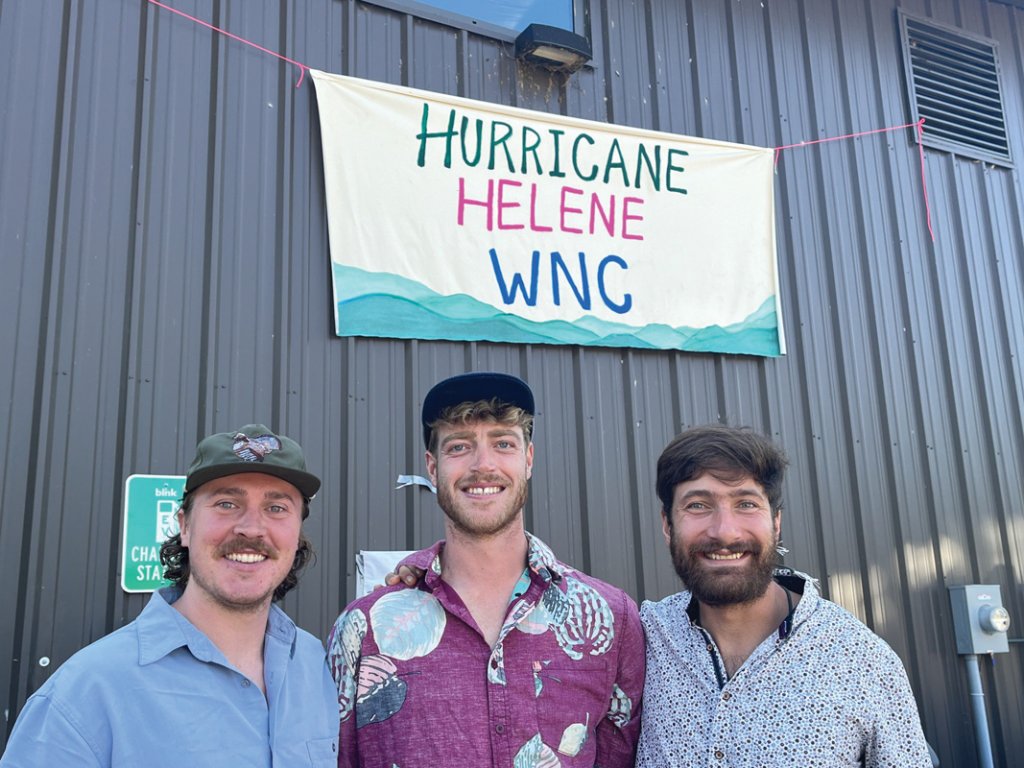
{"x": 481, "y": 471}
{"x": 242, "y": 533}
{"x": 723, "y": 538}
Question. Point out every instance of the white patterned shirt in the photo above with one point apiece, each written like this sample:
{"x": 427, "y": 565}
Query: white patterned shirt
{"x": 822, "y": 691}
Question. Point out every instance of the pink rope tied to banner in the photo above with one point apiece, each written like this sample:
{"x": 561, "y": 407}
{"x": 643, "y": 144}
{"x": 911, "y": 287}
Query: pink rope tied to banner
{"x": 919, "y": 124}
{"x": 302, "y": 67}
{"x": 920, "y": 151}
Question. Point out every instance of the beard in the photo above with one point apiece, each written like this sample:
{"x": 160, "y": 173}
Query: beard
{"x": 479, "y": 523}
{"x": 720, "y": 585}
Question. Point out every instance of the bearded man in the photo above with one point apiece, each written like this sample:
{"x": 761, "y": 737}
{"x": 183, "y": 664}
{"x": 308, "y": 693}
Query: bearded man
{"x": 749, "y": 666}
{"x": 501, "y": 655}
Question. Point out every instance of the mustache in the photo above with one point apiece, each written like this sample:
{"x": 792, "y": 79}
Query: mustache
{"x": 736, "y": 547}
{"x": 237, "y": 545}
{"x": 483, "y": 479}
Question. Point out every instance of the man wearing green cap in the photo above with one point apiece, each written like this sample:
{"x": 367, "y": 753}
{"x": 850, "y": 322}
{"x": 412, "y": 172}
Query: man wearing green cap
{"x": 211, "y": 673}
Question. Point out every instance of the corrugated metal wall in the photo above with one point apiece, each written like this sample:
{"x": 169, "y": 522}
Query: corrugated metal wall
{"x": 165, "y": 275}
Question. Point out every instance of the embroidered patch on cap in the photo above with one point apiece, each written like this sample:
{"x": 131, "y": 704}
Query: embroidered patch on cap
{"x": 254, "y": 448}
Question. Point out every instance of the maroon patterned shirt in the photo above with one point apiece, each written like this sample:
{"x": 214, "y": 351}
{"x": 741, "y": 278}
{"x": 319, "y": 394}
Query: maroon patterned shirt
{"x": 418, "y": 686}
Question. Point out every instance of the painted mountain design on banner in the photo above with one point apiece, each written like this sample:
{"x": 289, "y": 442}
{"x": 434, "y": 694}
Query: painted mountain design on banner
{"x": 379, "y": 304}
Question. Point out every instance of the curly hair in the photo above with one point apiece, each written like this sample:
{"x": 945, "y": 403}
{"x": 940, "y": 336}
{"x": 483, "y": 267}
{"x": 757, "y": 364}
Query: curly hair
{"x": 727, "y": 453}
{"x": 174, "y": 556}
{"x": 481, "y": 410}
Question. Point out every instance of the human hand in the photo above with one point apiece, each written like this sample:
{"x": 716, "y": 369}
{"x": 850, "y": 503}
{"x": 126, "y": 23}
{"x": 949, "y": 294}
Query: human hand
{"x": 409, "y": 575}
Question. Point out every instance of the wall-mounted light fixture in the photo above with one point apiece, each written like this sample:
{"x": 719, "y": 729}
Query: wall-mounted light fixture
{"x": 556, "y": 49}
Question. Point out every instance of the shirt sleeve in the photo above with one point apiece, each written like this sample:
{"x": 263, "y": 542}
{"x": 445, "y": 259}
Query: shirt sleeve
{"x": 896, "y": 737}
{"x": 344, "y": 650}
{"x": 619, "y": 730}
{"x": 45, "y": 735}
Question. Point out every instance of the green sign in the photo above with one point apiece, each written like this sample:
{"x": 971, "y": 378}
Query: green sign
{"x": 150, "y": 516}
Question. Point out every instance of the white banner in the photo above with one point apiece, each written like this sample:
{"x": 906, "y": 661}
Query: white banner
{"x": 458, "y": 219}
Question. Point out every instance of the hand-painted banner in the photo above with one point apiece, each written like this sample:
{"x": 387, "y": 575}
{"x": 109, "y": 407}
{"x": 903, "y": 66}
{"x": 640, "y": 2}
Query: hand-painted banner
{"x": 458, "y": 219}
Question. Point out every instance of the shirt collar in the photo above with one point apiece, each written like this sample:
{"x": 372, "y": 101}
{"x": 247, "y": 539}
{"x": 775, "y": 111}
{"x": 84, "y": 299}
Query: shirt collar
{"x": 540, "y": 560}
{"x": 281, "y": 627}
{"x": 162, "y": 629}
{"x": 791, "y": 580}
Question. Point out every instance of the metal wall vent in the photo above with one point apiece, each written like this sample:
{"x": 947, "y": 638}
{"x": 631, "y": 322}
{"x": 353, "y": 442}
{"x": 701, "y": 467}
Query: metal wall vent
{"x": 954, "y": 86}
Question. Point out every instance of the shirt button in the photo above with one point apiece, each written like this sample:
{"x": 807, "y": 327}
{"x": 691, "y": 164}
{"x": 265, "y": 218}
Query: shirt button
{"x": 245, "y": 682}
{"x": 726, "y": 696}
{"x": 719, "y": 754}
{"x": 500, "y": 728}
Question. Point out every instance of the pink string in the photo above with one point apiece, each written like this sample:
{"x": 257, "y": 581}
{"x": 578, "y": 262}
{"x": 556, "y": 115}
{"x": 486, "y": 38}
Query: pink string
{"x": 302, "y": 67}
{"x": 919, "y": 124}
{"x": 848, "y": 136}
{"x": 920, "y": 151}
{"x": 924, "y": 185}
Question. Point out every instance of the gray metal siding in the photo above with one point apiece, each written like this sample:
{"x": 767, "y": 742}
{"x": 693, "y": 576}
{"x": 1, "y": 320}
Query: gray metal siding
{"x": 165, "y": 274}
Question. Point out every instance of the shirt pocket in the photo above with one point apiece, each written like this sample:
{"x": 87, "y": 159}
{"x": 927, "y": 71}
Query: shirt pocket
{"x": 323, "y": 753}
{"x": 571, "y": 698}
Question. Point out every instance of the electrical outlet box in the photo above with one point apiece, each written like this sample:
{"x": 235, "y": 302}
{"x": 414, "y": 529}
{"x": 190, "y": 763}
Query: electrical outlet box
{"x": 979, "y": 619}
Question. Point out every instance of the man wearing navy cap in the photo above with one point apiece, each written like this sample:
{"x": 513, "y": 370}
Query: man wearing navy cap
{"x": 502, "y": 655}
{"x": 210, "y": 673}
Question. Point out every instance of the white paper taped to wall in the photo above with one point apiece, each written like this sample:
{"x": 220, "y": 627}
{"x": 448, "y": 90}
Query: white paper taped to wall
{"x": 373, "y": 565}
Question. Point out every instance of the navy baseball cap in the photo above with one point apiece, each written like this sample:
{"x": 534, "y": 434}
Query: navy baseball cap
{"x": 471, "y": 387}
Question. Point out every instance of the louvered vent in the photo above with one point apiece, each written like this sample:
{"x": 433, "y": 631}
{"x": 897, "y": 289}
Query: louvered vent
{"x": 954, "y": 86}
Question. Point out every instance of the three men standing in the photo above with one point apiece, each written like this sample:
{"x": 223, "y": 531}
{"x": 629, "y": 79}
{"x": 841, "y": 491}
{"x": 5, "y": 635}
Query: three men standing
{"x": 502, "y": 655}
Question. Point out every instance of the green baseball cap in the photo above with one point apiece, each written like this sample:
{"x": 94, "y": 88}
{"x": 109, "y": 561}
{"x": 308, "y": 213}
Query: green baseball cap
{"x": 253, "y": 448}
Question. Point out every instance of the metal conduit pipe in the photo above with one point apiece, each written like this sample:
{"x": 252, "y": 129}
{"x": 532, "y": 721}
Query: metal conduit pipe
{"x": 980, "y": 716}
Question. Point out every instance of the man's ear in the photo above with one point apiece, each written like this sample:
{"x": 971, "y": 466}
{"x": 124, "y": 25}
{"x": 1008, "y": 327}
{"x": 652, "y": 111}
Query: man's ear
{"x": 529, "y": 461}
{"x": 183, "y": 527}
{"x": 666, "y": 529}
{"x": 431, "y": 461}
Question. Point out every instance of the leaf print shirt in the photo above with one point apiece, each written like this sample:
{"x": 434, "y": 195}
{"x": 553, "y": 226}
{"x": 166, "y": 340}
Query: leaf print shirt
{"x": 823, "y": 691}
{"x": 419, "y": 687}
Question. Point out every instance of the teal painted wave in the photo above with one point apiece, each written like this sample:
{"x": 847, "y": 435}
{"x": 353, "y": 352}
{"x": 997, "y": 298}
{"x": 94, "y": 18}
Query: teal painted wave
{"x": 390, "y": 306}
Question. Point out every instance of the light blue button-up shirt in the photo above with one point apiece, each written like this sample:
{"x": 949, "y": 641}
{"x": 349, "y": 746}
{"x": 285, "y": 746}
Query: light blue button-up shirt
{"x": 158, "y": 693}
